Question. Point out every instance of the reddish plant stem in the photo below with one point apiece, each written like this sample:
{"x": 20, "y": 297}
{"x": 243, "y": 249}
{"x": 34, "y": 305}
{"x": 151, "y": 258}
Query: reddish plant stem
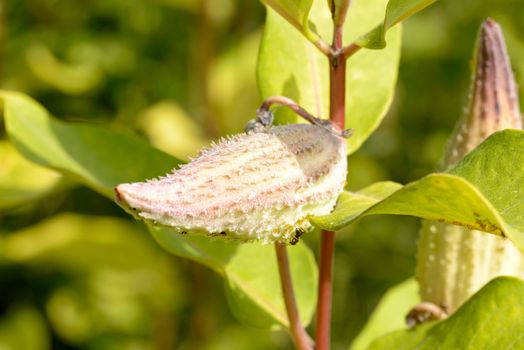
{"x": 298, "y": 333}
{"x": 337, "y": 96}
{"x": 337, "y": 55}
{"x": 337, "y": 104}
{"x": 286, "y": 101}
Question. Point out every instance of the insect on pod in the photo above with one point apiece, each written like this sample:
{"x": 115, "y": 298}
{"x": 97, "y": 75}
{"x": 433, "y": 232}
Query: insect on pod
{"x": 258, "y": 186}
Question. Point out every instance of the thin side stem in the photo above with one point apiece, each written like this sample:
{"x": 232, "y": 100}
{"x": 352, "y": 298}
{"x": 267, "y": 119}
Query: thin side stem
{"x": 323, "y": 47}
{"x": 286, "y": 101}
{"x": 298, "y": 333}
{"x": 349, "y": 50}
{"x": 325, "y": 290}
{"x": 337, "y": 105}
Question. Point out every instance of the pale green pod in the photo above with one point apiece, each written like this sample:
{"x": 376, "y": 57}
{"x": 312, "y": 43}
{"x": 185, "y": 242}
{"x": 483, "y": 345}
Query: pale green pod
{"x": 454, "y": 262}
{"x": 259, "y": 186}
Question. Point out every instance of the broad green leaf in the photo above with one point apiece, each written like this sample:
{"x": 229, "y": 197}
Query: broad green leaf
{"x": 351, "y": 204}
{"x": 24, "y": 327}
{"x": 483, "y": 192}
{"x": 390, "y": 313}
{"x": 101, "y": 158}
{"x": 22, "y": 181}
{"x": 396, "y": 11}
{"x": 492, "y": 319}
{"x": 496, "y": 168}
{"x": 254, "y": 268}
{"x": 442, "y": 197}
{"x": 291, "y": 66}
{"x": 296, "y": 12}
{"x": 212, "y": 253}
{"x": 253, "y": 284}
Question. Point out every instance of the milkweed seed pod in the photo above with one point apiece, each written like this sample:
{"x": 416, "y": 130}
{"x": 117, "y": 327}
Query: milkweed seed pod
{"x": 454, "y": 262}
{"x": 257, "y": 186}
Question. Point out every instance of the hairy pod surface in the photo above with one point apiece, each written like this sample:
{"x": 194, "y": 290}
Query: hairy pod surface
{"x": 453, "y": 262}
{"x": 259, "y": 186}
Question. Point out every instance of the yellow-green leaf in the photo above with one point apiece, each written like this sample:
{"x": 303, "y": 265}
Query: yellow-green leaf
{"x": 390, "y": 313}
{"x": 22, "y": 181}
{"x": 98, "y": 156}
{"x": 492, "y": 319}
{"x": 296, "y": 12}
{"x": 396, "y": 11}
{"x": 289, "y": 65}
{"x": 483, "y": 192}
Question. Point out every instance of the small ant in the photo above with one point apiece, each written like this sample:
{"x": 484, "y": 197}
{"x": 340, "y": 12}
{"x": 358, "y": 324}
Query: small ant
{"x": 298, "y": 232}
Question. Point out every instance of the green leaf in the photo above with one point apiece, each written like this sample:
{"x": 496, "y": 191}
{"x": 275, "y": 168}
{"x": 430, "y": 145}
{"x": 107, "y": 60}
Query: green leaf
{"x": 296, "y": 12}
{"x": 390, "y": 313}
{"x": 101, "y": 158}
{"x": 22, "y": 181}
{"x": 396, "y": 11}
{"x": 289, "y": 65}
{"x": 442, "y": 197}
{"x": 252, "y": 280}
{"x": 254, "y": 269}
{"x": 492, "y": 319}
{"x": 352, "y": 204}
{"x": 496, "y": 168}
{"x": 483, "y": 192}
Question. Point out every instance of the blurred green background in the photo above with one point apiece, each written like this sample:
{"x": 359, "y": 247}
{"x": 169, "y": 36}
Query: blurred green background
{"x": 77, "y": 273}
